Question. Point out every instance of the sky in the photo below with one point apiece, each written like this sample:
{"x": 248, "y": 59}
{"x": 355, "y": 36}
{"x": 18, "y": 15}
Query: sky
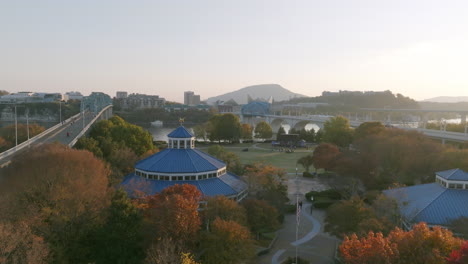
{"x": 414, "y": 47}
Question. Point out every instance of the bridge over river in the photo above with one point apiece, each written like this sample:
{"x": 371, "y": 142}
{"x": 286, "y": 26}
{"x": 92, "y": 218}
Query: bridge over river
{"x": 299, "y": 122}
{"x": 66, "y": 133}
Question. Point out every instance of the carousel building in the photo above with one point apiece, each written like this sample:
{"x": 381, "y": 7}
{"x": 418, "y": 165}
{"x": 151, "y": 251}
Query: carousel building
{"x": 181, "y": 163}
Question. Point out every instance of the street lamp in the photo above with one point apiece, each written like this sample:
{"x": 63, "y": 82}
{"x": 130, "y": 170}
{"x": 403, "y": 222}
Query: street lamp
{"x": 16, "y": 129}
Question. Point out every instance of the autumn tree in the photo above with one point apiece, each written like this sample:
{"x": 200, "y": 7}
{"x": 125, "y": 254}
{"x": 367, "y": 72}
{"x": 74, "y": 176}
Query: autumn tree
{"x": 246, "y": 131}
{"x": 338, "y": 131}
{"x": 8, "y": 133}
{"x": 263, "y": 130}
{"x": 367, "y": 129}
{"x": 265, "y": 183}
{"x": 324, "y": 156}
{"x": 227, "y": 242}
{"x": 18, "y": 244}
{"x": 459, "y": 256}
{"x": 174, "y": 212}
{"x": 225, "y": 209}
{"x": 420, "y": 245}
{"x": 61, "y": 191}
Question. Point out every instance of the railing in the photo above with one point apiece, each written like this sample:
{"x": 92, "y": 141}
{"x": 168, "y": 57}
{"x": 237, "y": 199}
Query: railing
{"x": 26, "y": 143}
{"x": 73, "y": 142}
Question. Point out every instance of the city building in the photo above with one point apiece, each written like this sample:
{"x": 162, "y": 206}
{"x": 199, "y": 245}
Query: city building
{"x": 182, "y": 163}
{"x": 437, "y": 203}
{"x": 229, "y": 106}
{"x": 73, "y": 96}
{"x": 121, "y": 95}
{"x": 138, "y": 101}
{"x": 190, "y": 98}
{"x": 30, "y": 97}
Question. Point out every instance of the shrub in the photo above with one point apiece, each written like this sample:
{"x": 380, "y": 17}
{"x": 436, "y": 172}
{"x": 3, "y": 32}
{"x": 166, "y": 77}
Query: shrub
{"x": 307, "y": 174}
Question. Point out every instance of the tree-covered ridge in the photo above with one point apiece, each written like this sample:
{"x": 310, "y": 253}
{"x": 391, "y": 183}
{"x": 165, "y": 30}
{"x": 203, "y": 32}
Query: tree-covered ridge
{"x": 348, "y": 100}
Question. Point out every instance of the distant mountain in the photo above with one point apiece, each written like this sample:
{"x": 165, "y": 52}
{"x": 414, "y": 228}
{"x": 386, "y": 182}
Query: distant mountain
{"x": 447, "y": 99}
{"x": 263, "y": 91}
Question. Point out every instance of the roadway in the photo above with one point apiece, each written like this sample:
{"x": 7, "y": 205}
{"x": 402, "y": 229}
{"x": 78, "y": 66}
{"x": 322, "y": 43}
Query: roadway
{"x": 63, "y": 134}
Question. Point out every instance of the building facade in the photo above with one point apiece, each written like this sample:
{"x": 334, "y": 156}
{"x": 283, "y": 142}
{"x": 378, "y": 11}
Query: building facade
{"x": 138, "y": 101}
{"x": 190, "y": 98}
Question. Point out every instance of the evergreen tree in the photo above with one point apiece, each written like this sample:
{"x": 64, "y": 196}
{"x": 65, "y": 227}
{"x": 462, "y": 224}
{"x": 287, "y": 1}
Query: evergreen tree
{"x": 119, "y": 239}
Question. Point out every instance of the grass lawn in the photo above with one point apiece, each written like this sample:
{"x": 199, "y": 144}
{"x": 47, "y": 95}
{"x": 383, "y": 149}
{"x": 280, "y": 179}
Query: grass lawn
{"x": 263, "y": 152}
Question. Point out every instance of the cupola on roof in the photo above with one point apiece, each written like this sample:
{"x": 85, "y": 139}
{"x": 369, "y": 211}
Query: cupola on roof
{"x": 180, "y": 132}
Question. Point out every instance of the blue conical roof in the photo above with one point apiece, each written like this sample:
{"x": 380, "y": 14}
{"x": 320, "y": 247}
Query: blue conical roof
{"x": 180, "y": 132}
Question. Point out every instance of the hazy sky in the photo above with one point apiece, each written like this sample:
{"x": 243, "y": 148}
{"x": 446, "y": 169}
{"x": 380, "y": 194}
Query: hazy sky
{"x": 415, "y": 47}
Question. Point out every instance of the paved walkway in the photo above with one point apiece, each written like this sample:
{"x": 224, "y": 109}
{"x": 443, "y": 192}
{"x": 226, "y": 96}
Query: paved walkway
{"x": 312, "y": 244}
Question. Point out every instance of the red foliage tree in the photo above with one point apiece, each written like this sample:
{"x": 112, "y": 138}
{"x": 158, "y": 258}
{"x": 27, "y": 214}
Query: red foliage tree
{"x": 324, "y": 156}
{"x": 174, "y": 212}
{"x": 459, "y": 256}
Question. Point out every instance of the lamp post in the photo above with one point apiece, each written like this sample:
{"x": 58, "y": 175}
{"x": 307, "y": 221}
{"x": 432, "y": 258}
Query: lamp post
{"x": 16, "y": 129}
{"x": 60, "y": 110}
{"x": 27, "y": 124}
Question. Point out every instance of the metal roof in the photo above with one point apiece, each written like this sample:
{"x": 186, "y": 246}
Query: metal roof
{"x": 454, "y": 175}
{"x": 180, "y": 132}
{"x": 227, "y": 185}
{"x": 431, "y": 203}
{"x": 180, "y": 161}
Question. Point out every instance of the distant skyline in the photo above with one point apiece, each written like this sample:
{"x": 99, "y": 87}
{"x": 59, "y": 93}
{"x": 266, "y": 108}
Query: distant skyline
{"x": 416, "y": 48}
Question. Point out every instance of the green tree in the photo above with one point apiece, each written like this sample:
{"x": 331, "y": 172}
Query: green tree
{"x": 263, "y": 130}
{"x": 200, "y": 131}
{"x": 353, "y": 216}
{"x": 225, "y": 127}
{"x": 120, "y": 239}
{"x": 231, "y": 159}
{"x": 337, "y": 131}
{"x": 261, "y": 216}
{"x": 280, "y": 132}
{"x": 306, "y": 162}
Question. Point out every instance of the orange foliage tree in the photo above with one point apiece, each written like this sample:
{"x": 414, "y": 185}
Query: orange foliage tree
{"x": 325, "y": 155}
{"x": 228, "y": 243}
{"x": 59, "y": 192}
{"x": 174, "y": 212}
{"x": 421, "y": 245}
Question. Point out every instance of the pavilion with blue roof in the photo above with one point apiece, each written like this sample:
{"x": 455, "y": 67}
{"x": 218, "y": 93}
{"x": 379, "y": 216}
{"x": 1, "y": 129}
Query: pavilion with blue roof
{"x": 181, "y": 163}
{"x": 436, "y": 203}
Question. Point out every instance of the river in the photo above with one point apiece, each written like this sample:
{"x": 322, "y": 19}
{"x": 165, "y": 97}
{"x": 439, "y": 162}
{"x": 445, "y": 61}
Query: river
{"x": 160, "y": 133}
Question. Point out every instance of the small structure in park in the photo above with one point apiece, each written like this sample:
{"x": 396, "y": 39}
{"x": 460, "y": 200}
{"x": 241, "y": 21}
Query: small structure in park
{"x": 181, "y": 163}
{"x": 437, "y": 203}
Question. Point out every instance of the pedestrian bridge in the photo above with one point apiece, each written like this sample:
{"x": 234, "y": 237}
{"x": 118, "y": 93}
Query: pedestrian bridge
{"x": 299, "y": 122}
{"x": 67, "y": 132}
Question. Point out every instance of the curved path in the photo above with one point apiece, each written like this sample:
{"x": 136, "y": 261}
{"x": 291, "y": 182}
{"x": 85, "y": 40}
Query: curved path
{"x": 316, "y": 226}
